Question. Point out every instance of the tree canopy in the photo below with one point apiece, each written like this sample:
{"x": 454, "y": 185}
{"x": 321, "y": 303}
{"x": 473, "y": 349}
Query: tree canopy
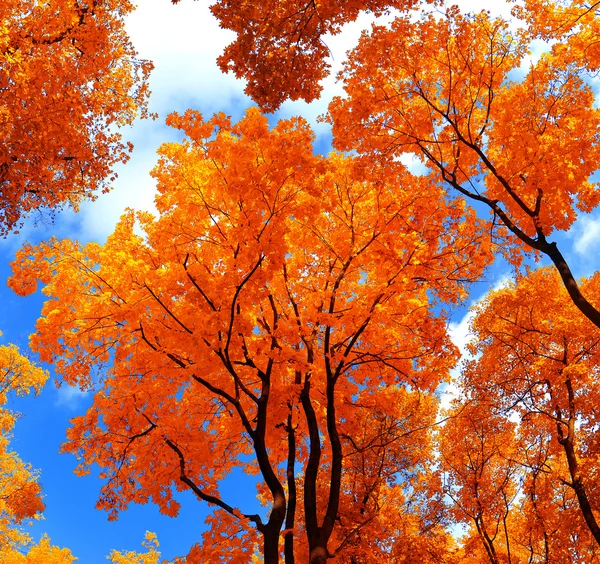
{"x": 69, "y": 77}
{"x": 286, "y": 313}
{"x": 278, "y": 298}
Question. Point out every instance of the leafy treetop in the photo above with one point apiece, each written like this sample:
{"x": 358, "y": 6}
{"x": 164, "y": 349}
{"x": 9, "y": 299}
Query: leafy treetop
{"x": 69, "y": 77}
{"x": 277, "y": 315}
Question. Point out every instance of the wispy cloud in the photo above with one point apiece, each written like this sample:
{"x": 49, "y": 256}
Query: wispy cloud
{"x": 460, "y": 334}
{"x": 586, "y": 232}
{"x": 70, "y": 397}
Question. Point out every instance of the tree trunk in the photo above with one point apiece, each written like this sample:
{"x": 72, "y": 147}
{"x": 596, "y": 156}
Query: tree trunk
{"x": 318, "y": 555}
{"x": 271, "y": 544}
{"x": 577, "y": 483}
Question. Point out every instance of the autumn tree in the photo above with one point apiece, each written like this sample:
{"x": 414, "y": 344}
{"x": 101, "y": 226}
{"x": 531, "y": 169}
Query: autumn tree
{"x": 40, "y": 553}
{"x": 276, "y": 315}
{"x": 548, "y": 502}
{"x": 477, "y": 451}
{"x": 69, "y": 78}
{"x": 448, "y": 90}
{"x": 537, "y": 359}
{"x": 517, "y": 138}
{"x": 20, "y": 492}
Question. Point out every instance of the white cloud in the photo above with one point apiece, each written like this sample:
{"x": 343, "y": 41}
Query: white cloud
{"x": 70, "y": 397}
{"x": 587, "y": 234}
{"x": 461, "y": 335}
{"x": 183, "y": 41}
{"x": 497, "y": 8}
{"x": 460, "y": 332}
{"x": 134, "y": 188}
{"x": 415, "y": 164}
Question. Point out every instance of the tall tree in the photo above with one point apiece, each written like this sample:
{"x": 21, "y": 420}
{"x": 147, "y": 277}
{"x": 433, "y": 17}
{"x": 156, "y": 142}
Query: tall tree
{"x": 477, "y": 452}
{"x": 448, "y": 90}
{"x": 69, "y": 77}
{"x": 277, "y": 316}
{"x": 537, "y": 364}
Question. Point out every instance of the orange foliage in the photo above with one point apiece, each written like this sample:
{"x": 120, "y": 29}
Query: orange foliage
{"x": 68, "y": 77}
{"x": 40, "y": 553}
{"x": 282, "y": 313}
{"x": 151, "y": 556}
{"x": 536, "y": 377}
{"x": 443, "y": 88}
{"x": 478, "y": 458}
{"x": 280, "y": 48}
{"x": 278, "y": 308}
{"x": 20, "y": 492}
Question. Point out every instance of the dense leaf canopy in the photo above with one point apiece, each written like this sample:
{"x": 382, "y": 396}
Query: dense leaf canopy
{"x": 286, "y": 313}
{"x": 69, "y": 77}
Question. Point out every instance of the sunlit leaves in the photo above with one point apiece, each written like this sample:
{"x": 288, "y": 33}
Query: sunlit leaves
{"x": 151, "y": 556}
{"x": 278, "y": 296}
{"x": 69, "y": 77}
{"x": 20, "y": 491}
{"x": 40, "y": 553}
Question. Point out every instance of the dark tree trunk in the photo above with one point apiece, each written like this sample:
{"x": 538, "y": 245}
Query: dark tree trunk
{"x": 568, "y": 443}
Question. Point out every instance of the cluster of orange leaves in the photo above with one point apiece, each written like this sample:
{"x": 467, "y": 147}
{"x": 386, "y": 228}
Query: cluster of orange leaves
{"x": 69, "y": 77}
{"x": 275, "y": 289}
{"x": 284, "y": 312}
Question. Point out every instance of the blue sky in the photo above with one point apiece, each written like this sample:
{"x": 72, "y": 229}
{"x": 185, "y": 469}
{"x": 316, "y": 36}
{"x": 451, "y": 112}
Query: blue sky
{"x": 183, "y": 41}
